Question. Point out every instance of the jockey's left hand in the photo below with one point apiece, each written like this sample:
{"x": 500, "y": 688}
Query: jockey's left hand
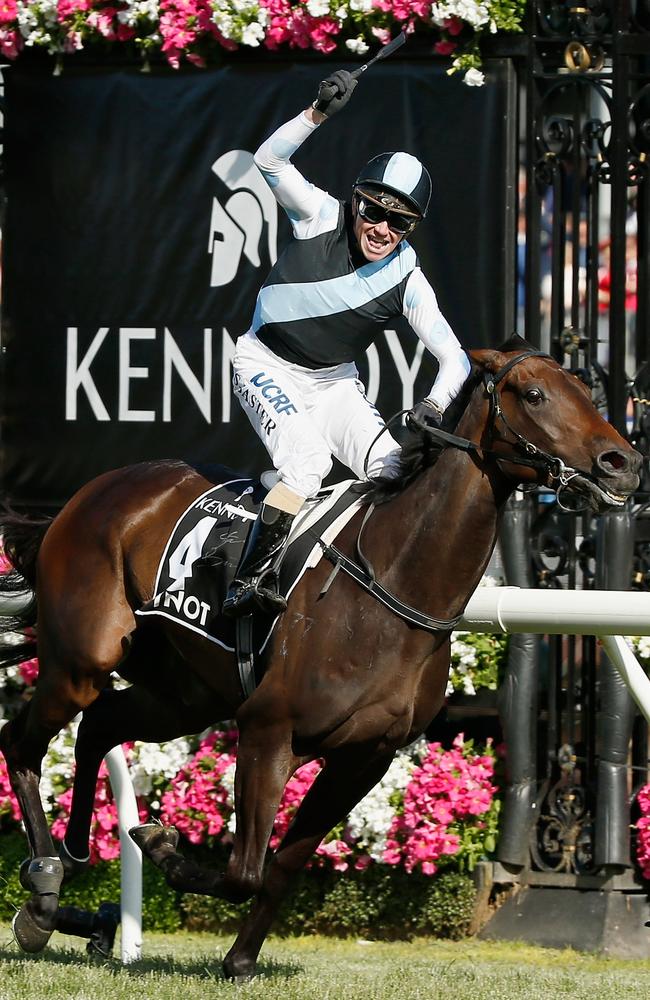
{"x": 423, "y": 415}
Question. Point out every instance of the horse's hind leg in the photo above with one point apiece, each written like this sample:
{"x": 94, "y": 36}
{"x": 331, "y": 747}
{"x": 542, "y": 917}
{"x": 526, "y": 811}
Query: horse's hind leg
{"x": 338, "y": 788}
{"x": 72, "y": 672}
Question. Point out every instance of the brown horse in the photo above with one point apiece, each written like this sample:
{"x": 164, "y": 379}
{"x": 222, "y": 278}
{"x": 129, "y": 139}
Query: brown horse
{"x": 346, "y": 680}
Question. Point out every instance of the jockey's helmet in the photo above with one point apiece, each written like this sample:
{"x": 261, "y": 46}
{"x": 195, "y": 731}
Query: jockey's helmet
{"x": 399, "y": 175}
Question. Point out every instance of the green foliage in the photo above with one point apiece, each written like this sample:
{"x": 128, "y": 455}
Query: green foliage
{"x": 479, "y": 657}
{"x": 378, "y": 903}
{"x": 508, "y": 14}
{"x": 478, "y": 840}
{"x": 12, "y": 894}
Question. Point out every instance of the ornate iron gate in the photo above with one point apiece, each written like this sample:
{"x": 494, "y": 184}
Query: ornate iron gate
{"x": 584, "y": 225}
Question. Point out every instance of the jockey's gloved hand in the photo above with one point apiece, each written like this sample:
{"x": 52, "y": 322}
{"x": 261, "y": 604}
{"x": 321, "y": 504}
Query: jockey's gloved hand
{"x": 423, "y": 415}
{"x": 334, "y": 92}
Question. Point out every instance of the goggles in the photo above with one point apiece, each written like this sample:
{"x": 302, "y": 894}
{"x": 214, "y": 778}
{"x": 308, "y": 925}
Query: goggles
{"x": 375, "y": 213}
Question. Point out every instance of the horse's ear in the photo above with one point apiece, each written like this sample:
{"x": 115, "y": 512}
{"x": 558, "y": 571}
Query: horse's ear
{"x": 492, "y": 361}
{"x": 489, "y": 361}
{"x": 515, "y": 343}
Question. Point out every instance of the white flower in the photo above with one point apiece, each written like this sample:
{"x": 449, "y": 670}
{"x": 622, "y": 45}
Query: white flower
{"x": 228, "y": 783}
{"x": 364, "y": 6}
{"x": 157, "y": 760}
{"x": 641, "y": 643}
{"x": 357, "y": 45}
{"x": 253, "y": 34}
{"x": 474, "y": 13}
{"x": 139, "y": 10}
{"x": 474, "y": 78}
{"x": 370, "y": 820}
{"x": 318, "y": 8}
{"x": 468, "y": 685}
{"x": 58, "y": 763}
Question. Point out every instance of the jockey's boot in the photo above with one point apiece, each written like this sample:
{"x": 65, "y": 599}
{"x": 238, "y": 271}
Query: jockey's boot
{"x": 256, "y": 582}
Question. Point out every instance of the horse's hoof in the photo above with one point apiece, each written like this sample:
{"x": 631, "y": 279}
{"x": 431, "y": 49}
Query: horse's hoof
{"x": 28, "y": 934}
{"x": 240, "y": 970}
{"x": 152, "y": 837}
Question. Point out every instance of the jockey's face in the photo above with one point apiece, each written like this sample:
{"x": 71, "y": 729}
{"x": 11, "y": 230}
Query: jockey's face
{"x": 380, "y": 223}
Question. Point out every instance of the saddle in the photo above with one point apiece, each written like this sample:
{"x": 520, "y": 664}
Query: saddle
{"x": 202, "y": 554}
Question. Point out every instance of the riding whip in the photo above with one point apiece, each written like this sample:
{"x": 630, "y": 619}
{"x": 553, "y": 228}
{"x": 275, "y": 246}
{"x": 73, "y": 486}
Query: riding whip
{"x": 383, "y": 53}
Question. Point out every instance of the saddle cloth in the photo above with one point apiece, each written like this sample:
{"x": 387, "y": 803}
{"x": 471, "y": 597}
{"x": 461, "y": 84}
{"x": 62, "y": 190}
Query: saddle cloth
{"x": 189, "y": 592}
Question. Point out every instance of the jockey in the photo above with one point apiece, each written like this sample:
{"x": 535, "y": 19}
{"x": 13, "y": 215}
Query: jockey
{"x": 346, "y": 273}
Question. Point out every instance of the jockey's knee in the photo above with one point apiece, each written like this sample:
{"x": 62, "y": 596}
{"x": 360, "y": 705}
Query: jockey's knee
{"x": 304, "y": 474}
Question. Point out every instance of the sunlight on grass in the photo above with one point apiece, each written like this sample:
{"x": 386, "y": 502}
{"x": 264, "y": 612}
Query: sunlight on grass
{"x": 188, "y": 967}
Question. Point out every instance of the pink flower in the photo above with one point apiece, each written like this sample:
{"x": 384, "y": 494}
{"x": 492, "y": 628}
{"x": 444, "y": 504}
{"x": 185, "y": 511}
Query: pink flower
{"x": 68, "y": 8}
{"x": 453, "y": 26}
{"x": 383, "y": 34}
{"x": 8, "y": 12}
{"x": 445, "y": 47}
{"x": 103, "y": 21}
{"x": 8, "y": 801}
{"x": 11, "y": 42}
{"x": 643, "y": 831}
{"x": 28, "y": 670}
{"x": 448, "y": 788}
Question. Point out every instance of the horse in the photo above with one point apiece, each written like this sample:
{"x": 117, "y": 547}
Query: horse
{"x": 347, "y": 680}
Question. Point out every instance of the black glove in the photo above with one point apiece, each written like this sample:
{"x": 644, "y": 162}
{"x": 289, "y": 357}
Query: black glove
{"x": 423, "y": 415}
{"x": 334, "y": 92}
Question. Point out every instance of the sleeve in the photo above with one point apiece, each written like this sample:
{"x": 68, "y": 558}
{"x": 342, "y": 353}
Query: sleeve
{"x": 305, "y": 204}
{"x": 423, "y": 313}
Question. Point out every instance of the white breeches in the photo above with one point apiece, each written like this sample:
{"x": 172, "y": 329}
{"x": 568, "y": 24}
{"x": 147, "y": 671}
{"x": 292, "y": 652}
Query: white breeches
{"x": 304, "y": 417}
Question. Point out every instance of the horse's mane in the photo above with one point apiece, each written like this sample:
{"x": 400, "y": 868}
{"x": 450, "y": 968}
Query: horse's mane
{"x": 420, "y": 451}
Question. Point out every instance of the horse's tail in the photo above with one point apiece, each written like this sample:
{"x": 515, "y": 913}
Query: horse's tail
{"x": 20, "y": 536}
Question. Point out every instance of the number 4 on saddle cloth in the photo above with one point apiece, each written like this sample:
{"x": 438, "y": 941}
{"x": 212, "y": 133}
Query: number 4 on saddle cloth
{"x": 190, "y": 590}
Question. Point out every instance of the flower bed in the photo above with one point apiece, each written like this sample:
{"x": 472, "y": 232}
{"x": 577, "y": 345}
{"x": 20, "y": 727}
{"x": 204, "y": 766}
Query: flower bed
{"x": 434, "y": 810}
{"x": 198, "y": 30}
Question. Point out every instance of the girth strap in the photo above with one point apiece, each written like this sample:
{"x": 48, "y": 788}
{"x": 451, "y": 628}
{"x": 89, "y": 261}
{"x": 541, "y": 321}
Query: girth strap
{"x": 369, "y": 584}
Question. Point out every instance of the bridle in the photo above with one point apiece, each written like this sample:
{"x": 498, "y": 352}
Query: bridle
{"x": 532, "y": 456}
{"x": 556, "y": 474}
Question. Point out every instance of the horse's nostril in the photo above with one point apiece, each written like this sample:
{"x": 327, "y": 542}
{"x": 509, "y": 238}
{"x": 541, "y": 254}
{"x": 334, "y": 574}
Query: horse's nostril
{"x": 615, "y": 460}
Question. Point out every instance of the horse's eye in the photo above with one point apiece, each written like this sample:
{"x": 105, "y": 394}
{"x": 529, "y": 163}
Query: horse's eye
{"x": 533, "y": 396}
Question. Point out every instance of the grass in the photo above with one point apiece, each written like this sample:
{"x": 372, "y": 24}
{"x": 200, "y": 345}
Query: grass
{"x": 187, "y": 967}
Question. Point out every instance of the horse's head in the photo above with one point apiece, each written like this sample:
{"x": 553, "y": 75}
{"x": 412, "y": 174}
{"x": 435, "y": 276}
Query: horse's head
{"x": 544, "y": 428}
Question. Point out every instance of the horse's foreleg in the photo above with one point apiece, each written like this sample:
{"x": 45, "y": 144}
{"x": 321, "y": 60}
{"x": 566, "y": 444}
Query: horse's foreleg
{"x": 265, "y": 762}
{"x": 338, "y": 788}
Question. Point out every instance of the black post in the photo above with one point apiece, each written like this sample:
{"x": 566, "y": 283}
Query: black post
{"x": 517, "y": 697}
{"x": 615, "y": 542}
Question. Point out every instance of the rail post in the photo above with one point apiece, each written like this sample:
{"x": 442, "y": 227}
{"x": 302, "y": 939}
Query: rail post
{"x": 616, "y": 710}
{"x": 517, "y": 696}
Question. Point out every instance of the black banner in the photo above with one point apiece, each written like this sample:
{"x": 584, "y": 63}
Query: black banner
{"x": 138, "y": 232}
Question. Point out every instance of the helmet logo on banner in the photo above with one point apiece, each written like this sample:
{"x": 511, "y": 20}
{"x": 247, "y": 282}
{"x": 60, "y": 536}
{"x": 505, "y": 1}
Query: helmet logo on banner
{"x": 237, "y": 226}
